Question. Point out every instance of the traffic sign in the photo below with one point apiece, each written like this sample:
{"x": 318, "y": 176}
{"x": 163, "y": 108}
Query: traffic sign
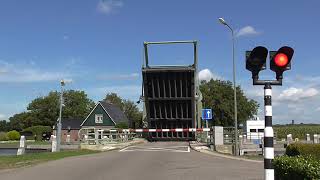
{"x": 206, "y": 114}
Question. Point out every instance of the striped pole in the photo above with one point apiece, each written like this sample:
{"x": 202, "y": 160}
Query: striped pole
{"x": 268, "y": 134}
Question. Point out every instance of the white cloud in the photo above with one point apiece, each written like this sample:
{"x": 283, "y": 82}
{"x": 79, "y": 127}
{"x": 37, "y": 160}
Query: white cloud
{"x": 207, "y": 75}
{"x": 108, "y": 6}
{"x": 21, "y": 73}
{"x": 247, "y": 31}
{"x": 119, "y": 77}
{"x": 2, "y": 116}
{"x": 318, "y": 109}
{"x": 67, "y": 81}
{"x": 296, "y": 94}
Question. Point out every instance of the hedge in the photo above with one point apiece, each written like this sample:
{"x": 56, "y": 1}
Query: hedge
{"x": 296, "y": 167}
{"x": 304, "y": 150}
{"x": 13, "y": 135}
{"x": 3, "y": 136}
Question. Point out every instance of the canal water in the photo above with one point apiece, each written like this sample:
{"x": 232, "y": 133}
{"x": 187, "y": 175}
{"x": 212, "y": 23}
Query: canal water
{"x": 13, "y": 151}
{"x": 8, "y": 151}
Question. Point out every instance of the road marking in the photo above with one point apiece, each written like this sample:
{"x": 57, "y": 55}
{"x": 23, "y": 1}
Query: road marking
{"x": 125, "y": 148}
{"x": 156, "y": 149}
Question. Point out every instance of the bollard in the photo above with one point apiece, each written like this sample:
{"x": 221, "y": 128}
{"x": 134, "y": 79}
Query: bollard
{"x": 308, "y": 137}
{"x": 54, "y": 144}
{"x": 289, "y": 138}
{"x": 315, "y": 139}
{"x": 22, "y": 148}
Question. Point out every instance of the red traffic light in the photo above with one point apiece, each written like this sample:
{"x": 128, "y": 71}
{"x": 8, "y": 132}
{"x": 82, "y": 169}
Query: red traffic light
{"x": 281, "y": 59}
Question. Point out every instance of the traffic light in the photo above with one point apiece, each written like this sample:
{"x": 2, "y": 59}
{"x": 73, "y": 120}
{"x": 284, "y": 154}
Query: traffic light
{"x": 256, "y": 60}
{"x": 280, "y": 60}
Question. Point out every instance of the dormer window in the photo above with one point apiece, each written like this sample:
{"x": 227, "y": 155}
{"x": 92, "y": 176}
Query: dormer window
{"x": 99, "y": 118}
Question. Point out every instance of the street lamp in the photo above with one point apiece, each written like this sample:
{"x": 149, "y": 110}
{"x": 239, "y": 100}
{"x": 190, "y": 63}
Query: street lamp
{"x": 62, "y": 83}
{"x": 222, "y": 21}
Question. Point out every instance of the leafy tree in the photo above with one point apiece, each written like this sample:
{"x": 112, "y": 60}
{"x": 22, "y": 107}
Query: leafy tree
{"x": 122, "y": 125}
{"x": 114, "y": 99}
{"x": 38, "y": 131}
{"x": 218, "y": 95}
{"x": 4, "y": 126}
{"x": 45, "y": 110}
{"x": 20, "y": 121}
{"x": 129, "y": 108}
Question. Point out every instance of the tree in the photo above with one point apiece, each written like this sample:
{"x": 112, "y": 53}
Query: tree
{"x": 114, "y": 99}
{"x": 4, "y": 126}
{"x": 218, "y": 95}
{"x": 38, "y": 131}
{"x": 129, "y": 108}
{"x": 45, "y": 110}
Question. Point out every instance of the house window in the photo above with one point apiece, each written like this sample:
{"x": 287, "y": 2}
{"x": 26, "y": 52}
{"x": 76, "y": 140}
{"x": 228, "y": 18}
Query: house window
{"x": 253, "y": 130}
{"x": 99, "y": 118}
{"x": 260, "y": 130}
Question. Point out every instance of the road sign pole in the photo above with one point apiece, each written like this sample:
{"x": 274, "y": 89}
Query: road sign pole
{"x": 268, "y": 134}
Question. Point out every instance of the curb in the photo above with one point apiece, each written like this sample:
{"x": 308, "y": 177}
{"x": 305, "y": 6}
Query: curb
{"x": 224, "y": 156}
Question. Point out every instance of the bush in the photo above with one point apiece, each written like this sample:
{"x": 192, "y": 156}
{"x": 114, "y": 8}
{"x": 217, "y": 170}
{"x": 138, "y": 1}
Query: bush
{"x": 3, "y": 136}
{"x": 297, "y": 167}
{"x": 13, "y": 135}
{"x": 303, "y": 150}
{"x": 38, "y": 131}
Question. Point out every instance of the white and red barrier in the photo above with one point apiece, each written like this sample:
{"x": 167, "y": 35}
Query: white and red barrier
{"x": 162, "y": 130}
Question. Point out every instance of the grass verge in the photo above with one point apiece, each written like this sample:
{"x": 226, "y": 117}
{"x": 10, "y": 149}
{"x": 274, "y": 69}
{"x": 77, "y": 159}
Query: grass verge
{"x": 8, "y": 162}
{"x": 15, "y": 144}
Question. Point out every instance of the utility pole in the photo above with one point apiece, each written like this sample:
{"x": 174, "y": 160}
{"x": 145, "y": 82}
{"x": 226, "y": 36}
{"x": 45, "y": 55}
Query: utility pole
{"x": 62, "y": 83}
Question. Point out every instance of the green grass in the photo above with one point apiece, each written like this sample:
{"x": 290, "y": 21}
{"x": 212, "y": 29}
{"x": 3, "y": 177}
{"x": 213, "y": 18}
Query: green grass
{"x": 7, "y": 162}
{"x": 254, "y": 157}
{"x": 14, "y": 144}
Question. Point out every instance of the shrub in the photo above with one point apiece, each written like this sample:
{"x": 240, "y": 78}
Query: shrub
{"x": 297, "y": 167}
{"x": 38, "y": 131}
{"x": 303, "y": 150}
{"x": 13, "y": 135}
{"x": 3, "y": 136}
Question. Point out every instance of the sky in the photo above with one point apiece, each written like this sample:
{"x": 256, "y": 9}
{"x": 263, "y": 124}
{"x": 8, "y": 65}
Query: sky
{"x": 97, "y": 46}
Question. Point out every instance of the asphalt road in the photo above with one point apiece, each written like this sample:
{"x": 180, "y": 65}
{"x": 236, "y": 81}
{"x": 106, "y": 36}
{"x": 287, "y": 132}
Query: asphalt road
{"x": 155, "y": 161}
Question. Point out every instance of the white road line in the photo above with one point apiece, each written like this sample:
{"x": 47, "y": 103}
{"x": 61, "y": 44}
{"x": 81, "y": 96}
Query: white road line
{"x": 124, "y": 149}
{"x": 154, "y": 149}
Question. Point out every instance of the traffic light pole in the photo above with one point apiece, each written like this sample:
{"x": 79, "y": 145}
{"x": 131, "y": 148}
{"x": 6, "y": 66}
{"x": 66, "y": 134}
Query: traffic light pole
{"x": 280, "y": 61}
{"x": 268, "y": 130}
{"x": 268, "y": 134}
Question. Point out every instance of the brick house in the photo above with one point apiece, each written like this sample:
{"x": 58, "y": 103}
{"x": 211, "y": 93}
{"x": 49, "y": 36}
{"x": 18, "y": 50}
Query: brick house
{"x": 70, "y": 127}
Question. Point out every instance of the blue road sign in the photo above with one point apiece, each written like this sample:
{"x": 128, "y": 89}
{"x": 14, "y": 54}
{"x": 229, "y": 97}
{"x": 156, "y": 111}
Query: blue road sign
{"x": 206, "y": 114}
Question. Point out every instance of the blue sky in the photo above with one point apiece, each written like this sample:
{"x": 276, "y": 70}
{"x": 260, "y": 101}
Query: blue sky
{"x": 98, "y": 45}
